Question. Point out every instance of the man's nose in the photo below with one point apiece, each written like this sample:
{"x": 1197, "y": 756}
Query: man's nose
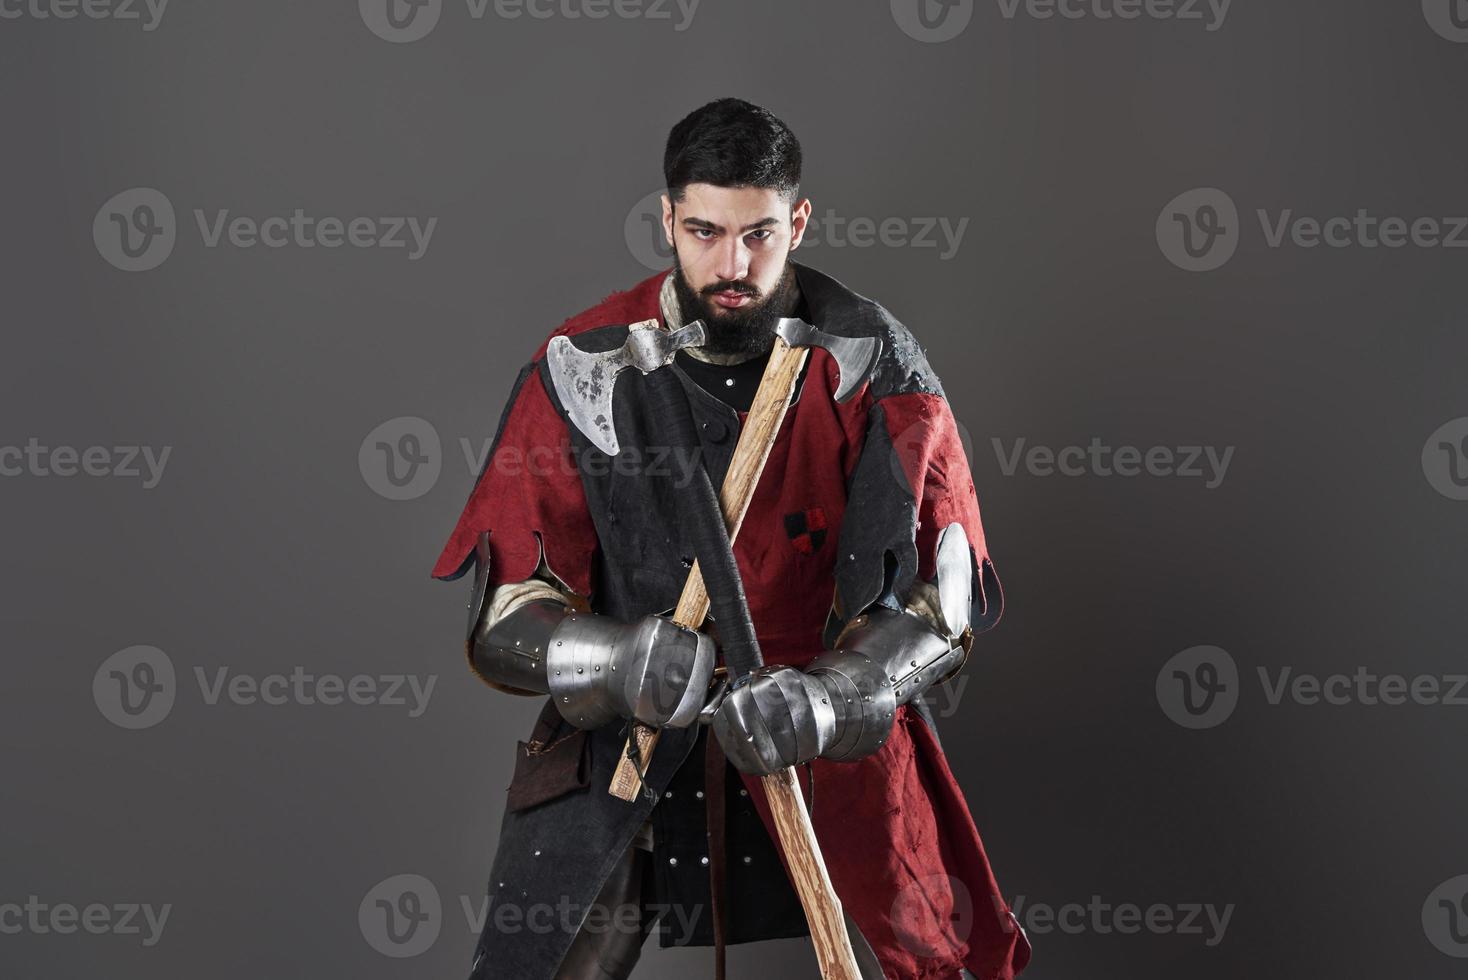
{"x": 733, "y": 260}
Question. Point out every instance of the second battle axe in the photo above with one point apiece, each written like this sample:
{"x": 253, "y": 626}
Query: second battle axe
{"x": 585, "y": 383}
{"x": 586, "y": 380}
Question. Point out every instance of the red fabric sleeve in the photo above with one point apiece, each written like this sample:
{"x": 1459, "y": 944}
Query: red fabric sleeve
{"x": 928, "y": 448}
{"x": 530, "y": 486}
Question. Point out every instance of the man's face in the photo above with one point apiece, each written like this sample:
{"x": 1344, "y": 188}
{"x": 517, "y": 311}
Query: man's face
{"x": 731, "y": 249}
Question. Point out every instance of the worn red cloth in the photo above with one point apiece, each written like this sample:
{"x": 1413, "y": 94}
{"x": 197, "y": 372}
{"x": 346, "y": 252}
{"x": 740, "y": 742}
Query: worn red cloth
{"x": 917, "y": 882}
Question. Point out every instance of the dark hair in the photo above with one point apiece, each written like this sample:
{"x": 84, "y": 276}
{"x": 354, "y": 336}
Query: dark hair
{"x": 732, "y": 143}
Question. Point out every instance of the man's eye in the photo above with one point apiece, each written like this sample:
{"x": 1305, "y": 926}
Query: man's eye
{"x": 761, "y": 235}
{"x": 703, "y": 234}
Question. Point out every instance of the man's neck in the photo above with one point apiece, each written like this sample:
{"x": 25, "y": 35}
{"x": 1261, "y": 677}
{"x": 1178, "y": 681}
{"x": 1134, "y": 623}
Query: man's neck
{"x": 673, "y": 317}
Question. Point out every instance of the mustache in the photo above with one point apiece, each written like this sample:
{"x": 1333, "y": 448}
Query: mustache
{"x": 729, "y": 287}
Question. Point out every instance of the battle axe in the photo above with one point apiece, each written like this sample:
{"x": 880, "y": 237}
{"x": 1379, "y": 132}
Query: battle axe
{"x": 585, "y": 383}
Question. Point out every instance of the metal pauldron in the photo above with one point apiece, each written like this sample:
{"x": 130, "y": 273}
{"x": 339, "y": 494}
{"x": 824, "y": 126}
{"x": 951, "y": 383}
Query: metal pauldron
{"x": 886, "y": 659}
{"x": 512, "y": 653}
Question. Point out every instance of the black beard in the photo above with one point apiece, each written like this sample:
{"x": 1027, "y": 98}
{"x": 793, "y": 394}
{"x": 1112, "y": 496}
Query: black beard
{"x": 748, "y": 330}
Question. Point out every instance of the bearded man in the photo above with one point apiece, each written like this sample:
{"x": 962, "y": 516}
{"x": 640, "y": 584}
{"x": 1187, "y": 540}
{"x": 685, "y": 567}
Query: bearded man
{"x": 866, "y": 572}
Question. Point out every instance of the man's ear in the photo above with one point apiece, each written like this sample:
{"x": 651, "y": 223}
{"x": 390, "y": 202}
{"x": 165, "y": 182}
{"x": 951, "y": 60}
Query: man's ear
{"x": 668, "y": 220}
{"x": 799, "y": 216}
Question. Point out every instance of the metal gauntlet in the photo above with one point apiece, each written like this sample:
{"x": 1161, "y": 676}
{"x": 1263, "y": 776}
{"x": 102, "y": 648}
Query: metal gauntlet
{"x": 886, "y": 658}
{"x": 596, "y": 668}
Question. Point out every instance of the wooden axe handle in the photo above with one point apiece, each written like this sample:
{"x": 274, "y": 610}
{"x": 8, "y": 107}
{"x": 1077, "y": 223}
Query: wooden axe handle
{"x": 823, "y": 914}
{"x": 750, "y": 452}
{"x": 782, "y": 789}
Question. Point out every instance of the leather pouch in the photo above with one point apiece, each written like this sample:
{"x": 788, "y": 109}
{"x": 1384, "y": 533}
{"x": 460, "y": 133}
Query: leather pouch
{"x": 555, "y": 761}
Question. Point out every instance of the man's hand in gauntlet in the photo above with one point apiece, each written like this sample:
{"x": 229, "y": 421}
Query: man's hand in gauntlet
{"x": 842, "y": 706}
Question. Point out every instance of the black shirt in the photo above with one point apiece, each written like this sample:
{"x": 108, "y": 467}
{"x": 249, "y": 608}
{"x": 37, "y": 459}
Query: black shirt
{"x": 732, "y": 384}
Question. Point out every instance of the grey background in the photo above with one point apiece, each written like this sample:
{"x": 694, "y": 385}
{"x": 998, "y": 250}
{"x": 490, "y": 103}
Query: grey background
{"x": 1059, "y": 319}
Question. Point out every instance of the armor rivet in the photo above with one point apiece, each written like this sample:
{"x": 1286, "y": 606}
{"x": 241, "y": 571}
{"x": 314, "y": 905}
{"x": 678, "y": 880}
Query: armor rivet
{"x": 867, "y": 698}
{"x": 598, "y": 668}
{"x": 894, "y": 677}
{"x": 744, "y": 792}
{"x": 851, "y": 558}
{"x": 699, "y": 794}
{"x": 748, "y": 859}
{"x": 502, "y": 884}
{"x": 560, "y": 643}
{"x": 580, "y": 670}
{"x": 914, "y": 663}
{"x": 558, "y": 673}
{"x": 703, "y": 860}
{"x": 668, "y": 795}
{"x": 614, "y": 666}
{"x": 673, "y": 862}
{"x": 568, "y": 700}
{"x": 825, "y": 701}
{"x": 517, "y": 643}
{"x": 537, "y": 854}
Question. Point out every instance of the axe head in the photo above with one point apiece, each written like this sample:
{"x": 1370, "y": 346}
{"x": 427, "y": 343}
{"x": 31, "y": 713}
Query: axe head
{"x": 855, "y": 356}
{"x": 585, "y": 380}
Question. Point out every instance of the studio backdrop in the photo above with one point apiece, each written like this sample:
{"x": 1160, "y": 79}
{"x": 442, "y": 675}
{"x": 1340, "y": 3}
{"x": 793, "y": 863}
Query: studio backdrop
{"x": 1191, "y": 272}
